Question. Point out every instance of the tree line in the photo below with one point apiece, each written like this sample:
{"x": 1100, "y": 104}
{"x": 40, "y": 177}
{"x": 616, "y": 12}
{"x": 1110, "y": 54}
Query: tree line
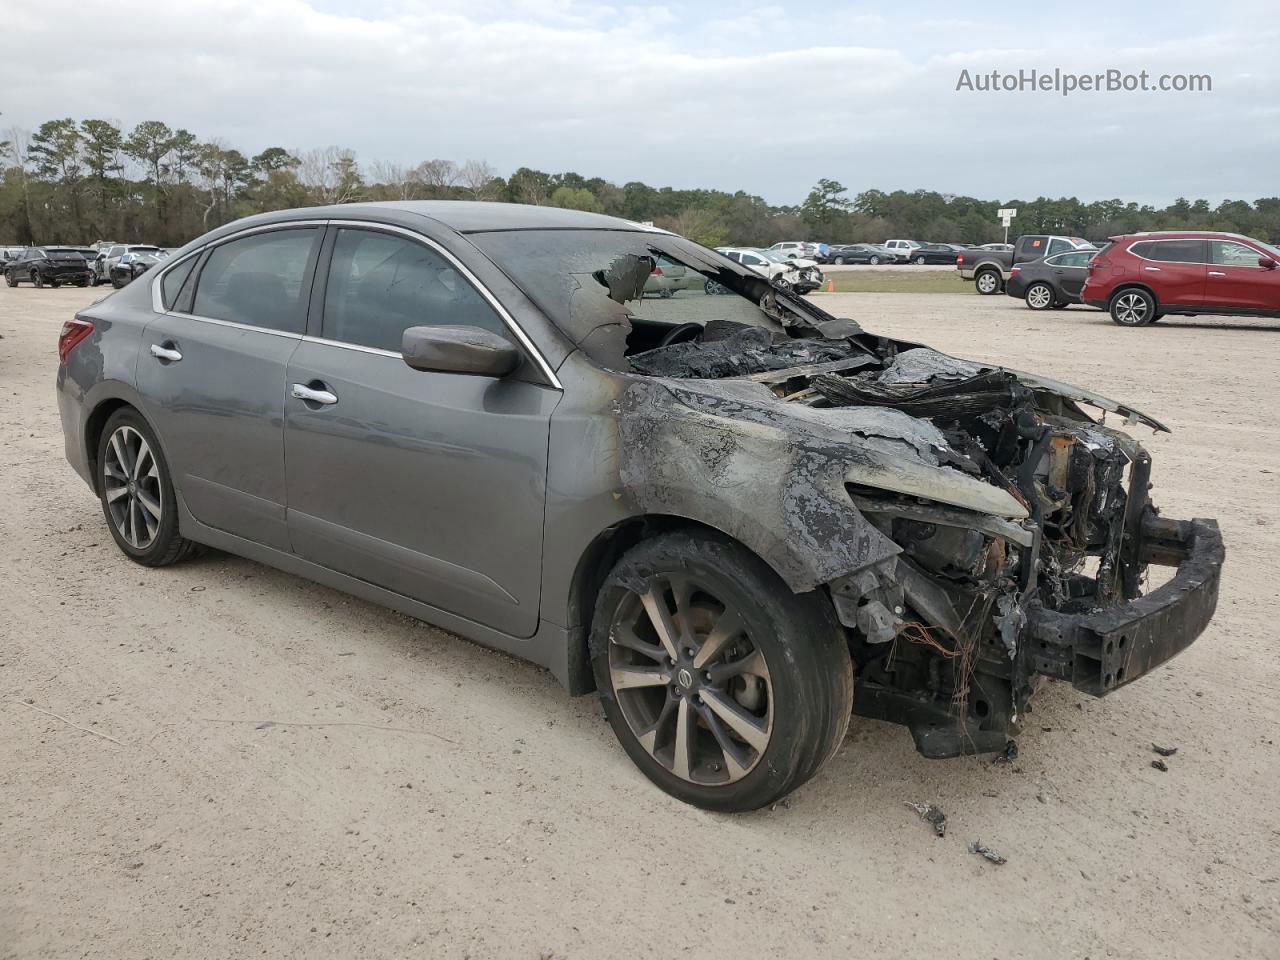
{"x": 80, "y": 181}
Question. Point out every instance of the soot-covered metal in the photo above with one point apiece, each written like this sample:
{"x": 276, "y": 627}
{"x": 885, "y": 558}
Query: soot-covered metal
{"x": 956, "y": 512}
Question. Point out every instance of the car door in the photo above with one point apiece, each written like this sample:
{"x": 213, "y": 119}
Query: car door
{"x": 756, "y": 262}
{"x": 429, "y": 484}
{"x": 1069, "y": 271}
{"x": 211, "y": 373}
{"x": 1175, "y": 269}
{"x": 1237, "y": 281}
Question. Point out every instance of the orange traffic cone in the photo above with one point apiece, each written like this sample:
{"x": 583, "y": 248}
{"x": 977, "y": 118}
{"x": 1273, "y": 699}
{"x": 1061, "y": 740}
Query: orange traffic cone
{"x": 830, "y": 287}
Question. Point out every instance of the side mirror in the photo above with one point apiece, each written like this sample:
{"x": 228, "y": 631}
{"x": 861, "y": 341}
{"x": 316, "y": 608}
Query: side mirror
{"x": 1266, "y": 263}
{"x": 459, "y": 350}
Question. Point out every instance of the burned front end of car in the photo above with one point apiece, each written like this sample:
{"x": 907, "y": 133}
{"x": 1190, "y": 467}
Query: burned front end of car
{"x": 977, "y": 529}
{"x": 986, "y": 532}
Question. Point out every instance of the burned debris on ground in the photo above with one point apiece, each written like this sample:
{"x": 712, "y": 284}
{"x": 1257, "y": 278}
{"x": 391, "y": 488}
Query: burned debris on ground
{"x": 931, "y": 815}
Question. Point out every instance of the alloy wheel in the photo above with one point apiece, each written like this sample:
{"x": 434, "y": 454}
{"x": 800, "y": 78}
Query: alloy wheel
{"x": 131, "y": 487}
{"x": 987, "y": 282}
{"x": 1039, "y": 297}
{"x": 1131, "y": 309}
{"x": 692, "y": 687}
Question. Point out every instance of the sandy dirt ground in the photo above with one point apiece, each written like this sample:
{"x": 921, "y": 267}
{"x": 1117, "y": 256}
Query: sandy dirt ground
{"x": 279, "y": 770}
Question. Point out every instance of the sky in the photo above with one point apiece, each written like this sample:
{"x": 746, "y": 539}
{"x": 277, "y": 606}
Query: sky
{"x": 766, "y": 98}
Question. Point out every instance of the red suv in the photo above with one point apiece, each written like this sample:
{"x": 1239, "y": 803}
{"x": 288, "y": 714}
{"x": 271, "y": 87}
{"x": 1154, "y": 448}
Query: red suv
{"x": 1141, "y": 277}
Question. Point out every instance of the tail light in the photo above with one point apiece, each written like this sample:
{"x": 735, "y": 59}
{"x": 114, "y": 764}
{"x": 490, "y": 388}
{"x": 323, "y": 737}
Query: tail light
{"x": 73, "y": 331}
{"x": 1014, "y": 271}
{"x": 655, "y": 272}
{"x": 959, "y": 259}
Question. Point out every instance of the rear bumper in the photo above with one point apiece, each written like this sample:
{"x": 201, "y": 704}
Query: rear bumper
{"x": 1098, "y": 304}
{"x": 1102, "y": 651}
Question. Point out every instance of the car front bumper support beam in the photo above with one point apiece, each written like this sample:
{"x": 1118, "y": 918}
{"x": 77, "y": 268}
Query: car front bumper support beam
{"x": 1104, "y": 650}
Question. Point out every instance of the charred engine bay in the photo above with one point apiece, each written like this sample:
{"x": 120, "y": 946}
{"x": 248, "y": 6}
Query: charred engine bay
{"x": 936, "y": 499}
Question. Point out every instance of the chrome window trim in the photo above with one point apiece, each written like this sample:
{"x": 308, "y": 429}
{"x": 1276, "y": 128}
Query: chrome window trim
{"x": 377, "y": 351}
{"x": 235, "y": 326}
{"x": 1194, "y": 263}
{"x": 157, "y": 302}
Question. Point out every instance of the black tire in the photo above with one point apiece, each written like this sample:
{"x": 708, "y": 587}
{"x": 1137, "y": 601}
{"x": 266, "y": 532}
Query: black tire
{"x": 1132, "y": 307}
{"x": 82, "y": 283}
{"x": 875, "y": 261}
{"x": 167, "y": 545}
{"x": 988, "y": 282}
{"x": 920, "y": 261}
{"x": 36, "y": 278}
{"x": 1039, "y": 296}
{"x": 10, "y": 279}
{"x": 115, "y": 282}
{"x": 839, "y": 261}
{"x": 808, "y": 692}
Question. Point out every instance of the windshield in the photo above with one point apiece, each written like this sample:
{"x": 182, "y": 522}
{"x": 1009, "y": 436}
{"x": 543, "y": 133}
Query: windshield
{"x": 600, "y": 287}
{"x": 64, "y": 255}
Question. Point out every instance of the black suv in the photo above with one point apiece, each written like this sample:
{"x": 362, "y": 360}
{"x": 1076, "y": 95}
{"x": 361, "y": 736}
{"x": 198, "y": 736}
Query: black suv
{"x": 48, "y": 265}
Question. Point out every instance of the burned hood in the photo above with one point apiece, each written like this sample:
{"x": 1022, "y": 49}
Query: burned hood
{"x": 926, "y": 365}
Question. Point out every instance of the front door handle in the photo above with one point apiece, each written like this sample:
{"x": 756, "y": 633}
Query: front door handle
{"x": 1151, "y": 269}
{"x": 1216, "y": 273}
{"x": 165, "y": 353}
{"x": 301, "y": 391}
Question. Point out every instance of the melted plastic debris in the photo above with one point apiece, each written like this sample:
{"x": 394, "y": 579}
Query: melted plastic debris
{"x": 982, "y": 850}
{"x": 747, "y": 351}
{"x": 930, "y": 814}
{"x": 921, "y": 365}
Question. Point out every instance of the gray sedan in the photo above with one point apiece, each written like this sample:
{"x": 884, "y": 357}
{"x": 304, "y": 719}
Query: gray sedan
{"x": 709, "y": 509}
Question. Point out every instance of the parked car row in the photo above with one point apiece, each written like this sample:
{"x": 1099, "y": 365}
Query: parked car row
{"x": 117, "y": 264}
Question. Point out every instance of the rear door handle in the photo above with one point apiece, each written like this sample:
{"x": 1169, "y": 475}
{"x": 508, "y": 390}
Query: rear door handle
{"x": 1152, "y": 269}
{"x": 1216, "y": 273}
{"x": 165, "y": 353}
{"x": 301, "y": 391}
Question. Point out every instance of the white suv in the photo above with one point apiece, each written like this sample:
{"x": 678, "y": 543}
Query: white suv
{"x": 901, "y": 249}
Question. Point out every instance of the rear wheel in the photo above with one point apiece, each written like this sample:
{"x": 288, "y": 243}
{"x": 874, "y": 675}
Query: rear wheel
{"x": 1133, "y": 308}
{"x": 136, "y": 491}
{"x": 726, "y": 689}
{"x": 1039, "y": 296}
{"x": 920, "y": 261}
{"x": 118, "y": 283}
{"x": 875, "y": 261}
{"x": 987, "y": 282}
{"x": 36, "y": 278}
{"x": 839, "y": 261}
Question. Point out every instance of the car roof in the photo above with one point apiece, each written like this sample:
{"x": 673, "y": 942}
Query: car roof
{"x": 476, "y": 216}
{"x": 1181, "y": 235}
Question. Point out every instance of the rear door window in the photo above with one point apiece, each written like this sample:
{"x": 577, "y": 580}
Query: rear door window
{"x": 172, "y": 283}
{"x": 1176, "y": 251}
{"x": 380, "y": 284}
{"x": 259, "y": 280}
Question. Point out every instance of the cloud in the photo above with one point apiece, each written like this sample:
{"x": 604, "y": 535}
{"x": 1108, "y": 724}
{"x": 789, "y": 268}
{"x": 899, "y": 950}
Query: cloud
{"x": 763, "y": 98}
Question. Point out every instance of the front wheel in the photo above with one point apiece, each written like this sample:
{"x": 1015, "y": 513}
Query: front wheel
{"x": 839, "y": 261}
{"x": 875, "y": 261}
{"x": 920, "y": 261}
{"x": 119, "y": 284}
{"x": 987, "y": 282}
{"x": 9, "y": 279}
{"x": 36, "y": 279}
{"x": 1039, "y": 296}
{"x": 137, "y": 493}
{"x": 1133, "y": 308}
{"x": 726, "y": 689}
